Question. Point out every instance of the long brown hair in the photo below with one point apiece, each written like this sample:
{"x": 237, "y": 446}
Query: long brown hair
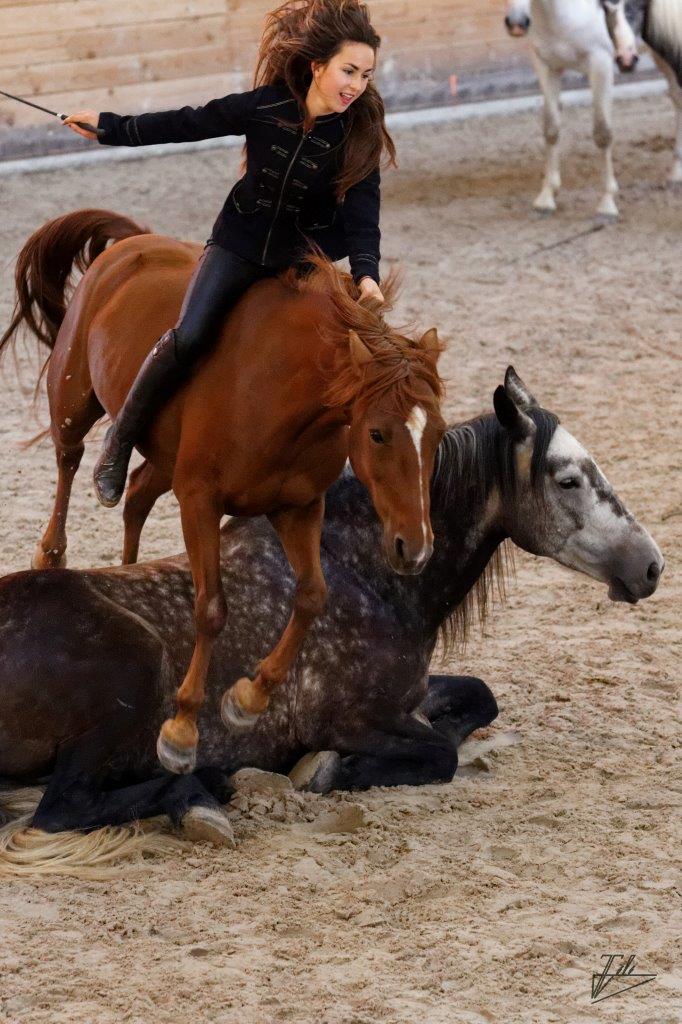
{"x": 299, "y": 32}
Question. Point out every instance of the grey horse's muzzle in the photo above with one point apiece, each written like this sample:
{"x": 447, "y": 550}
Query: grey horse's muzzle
{"x": 637, "y": 573}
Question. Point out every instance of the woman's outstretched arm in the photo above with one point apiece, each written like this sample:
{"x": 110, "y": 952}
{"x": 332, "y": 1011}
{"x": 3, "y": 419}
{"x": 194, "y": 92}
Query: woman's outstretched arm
{"x": 229, "y": 115}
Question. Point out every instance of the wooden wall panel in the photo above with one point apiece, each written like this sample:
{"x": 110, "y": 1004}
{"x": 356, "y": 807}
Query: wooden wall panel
{"x": 134, "y": 55}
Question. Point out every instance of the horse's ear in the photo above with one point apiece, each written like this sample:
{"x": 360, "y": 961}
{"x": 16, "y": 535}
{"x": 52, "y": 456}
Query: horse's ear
{"x": 359, "y": 353}
{"x": 517, "y": 390}
{"x": 430, "y": 342}
{"x": 512, "y": 418}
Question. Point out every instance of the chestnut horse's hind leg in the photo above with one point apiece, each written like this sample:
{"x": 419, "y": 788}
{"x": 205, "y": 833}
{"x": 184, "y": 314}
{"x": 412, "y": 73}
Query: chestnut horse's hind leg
{"x": 201, "y": 514}
{"x": 69, "y": 447}
{"x": 145, "y": 486}
{"x": 300, "y": 531}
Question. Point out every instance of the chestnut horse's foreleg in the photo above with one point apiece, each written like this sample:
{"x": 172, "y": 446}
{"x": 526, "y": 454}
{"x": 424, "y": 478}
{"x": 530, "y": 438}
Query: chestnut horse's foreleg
{"x": 145, "y": 485}
{"x": 201, "y": 515}
{"x": 300, "y": 531}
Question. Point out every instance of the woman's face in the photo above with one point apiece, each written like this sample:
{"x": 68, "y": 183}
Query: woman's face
{"x": 343, "y": 78}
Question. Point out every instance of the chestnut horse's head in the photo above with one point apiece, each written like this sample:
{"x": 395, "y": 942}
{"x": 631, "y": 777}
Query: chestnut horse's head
{"x": 390, "y": 391}
{"x": 395, "y": 431}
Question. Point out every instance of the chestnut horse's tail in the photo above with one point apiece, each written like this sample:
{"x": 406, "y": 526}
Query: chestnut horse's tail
{"x": 46, "y": 263}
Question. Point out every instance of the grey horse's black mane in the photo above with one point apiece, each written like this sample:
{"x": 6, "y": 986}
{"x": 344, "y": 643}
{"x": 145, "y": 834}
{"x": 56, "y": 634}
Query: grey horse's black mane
{"x": 473, "y": 459}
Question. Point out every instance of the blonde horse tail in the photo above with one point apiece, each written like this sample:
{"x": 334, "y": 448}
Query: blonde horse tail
{"x": 106, "y": 853}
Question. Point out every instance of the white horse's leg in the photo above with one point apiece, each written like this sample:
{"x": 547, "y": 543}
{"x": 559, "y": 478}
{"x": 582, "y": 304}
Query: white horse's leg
{"x": 550, "y": 83}
{"x": 601, "y": 81}
{"x": 675, "y": 176}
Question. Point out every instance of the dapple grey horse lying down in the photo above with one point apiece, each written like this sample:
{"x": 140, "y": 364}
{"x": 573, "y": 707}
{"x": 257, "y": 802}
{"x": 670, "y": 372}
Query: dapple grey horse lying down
{"x": 89, "y": 660}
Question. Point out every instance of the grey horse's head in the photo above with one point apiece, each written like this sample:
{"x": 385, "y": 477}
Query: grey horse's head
{"x": 565, "y": 508}
{"x": 517, "y": 20}
{"x": 621, "y": 33}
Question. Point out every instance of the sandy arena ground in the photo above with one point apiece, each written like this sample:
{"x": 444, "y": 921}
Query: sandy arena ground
{"x": 491, "y": 899}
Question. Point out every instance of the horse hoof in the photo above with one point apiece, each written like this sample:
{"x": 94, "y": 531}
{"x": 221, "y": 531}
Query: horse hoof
{"x": 208, "y": 825}
{"x": 179, "y": 760}
{"x": 316, "y": 772}
{"x": 607, "y": 211}
{"x": 234, "y": 715}
{"x": 544, "y": 212}
{"x": 605, "y": 219}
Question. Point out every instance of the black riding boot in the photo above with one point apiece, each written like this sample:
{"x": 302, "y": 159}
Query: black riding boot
{"x": 158, "y": 378}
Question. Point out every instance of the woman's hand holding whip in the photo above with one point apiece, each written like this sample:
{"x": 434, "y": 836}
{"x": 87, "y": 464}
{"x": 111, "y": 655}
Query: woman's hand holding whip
{"x": 83, "y": 117}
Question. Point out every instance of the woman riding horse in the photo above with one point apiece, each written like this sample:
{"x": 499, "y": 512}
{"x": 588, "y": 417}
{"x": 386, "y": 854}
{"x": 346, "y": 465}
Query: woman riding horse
{"x": 315, "y": 135}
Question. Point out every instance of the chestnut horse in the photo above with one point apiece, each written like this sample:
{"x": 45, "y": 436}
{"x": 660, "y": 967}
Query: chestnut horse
{"x": 301, "y": 378}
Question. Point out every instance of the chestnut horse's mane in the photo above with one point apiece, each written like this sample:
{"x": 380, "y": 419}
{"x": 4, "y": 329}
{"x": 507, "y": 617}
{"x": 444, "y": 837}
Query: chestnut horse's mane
{"x": 401, "y": 365}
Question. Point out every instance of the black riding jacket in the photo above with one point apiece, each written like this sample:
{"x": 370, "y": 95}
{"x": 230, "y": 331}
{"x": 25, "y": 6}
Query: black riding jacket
{"x": 286, "y": 197}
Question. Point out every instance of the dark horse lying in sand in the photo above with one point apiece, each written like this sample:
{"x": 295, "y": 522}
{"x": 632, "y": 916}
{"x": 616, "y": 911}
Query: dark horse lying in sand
{"x": 89, "y": 660}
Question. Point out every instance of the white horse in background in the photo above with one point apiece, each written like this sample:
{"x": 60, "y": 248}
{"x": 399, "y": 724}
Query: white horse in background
{"x": 659, "y": 24}
{"x": 573, "y": 35}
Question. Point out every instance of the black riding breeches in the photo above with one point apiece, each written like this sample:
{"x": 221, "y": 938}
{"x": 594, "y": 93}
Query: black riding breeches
{"x": 219, "y": 280}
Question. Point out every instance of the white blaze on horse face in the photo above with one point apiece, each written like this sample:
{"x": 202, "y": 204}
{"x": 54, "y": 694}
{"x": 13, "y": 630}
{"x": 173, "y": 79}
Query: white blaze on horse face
{"x": 415, "y": 423}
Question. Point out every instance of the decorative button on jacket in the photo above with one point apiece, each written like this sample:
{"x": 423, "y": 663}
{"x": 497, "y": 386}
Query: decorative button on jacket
{"x": 286, "y": 197}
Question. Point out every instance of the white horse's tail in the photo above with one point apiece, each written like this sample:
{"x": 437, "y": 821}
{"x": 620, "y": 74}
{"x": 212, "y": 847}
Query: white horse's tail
{"x": 663, "y": 32}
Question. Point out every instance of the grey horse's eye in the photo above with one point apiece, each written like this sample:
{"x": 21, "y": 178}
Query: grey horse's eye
{"x": 569, "y": 483}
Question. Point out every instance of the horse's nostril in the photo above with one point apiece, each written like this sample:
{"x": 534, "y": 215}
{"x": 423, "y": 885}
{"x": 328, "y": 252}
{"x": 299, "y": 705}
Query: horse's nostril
{"x": 627, "y": 65}
{"x": 507, "y": 21}
{"x": 400, "y": 548}
{"x": 653, "y": 572}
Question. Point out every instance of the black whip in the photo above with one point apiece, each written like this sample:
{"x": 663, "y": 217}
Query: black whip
{"x": 62, "y": 117}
